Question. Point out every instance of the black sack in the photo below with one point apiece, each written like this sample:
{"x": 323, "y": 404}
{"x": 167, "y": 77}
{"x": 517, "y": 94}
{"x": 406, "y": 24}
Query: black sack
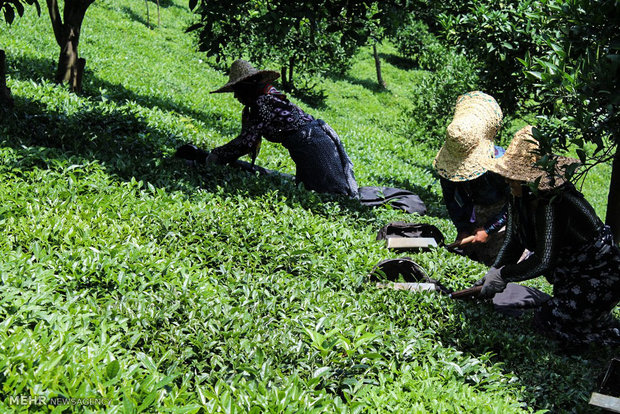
{"x": 412, "y": 230}
{"x": 391, "y": 269}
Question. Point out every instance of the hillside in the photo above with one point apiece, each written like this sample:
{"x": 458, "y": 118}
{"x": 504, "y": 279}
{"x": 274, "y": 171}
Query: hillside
{"x": 128, "y": 275}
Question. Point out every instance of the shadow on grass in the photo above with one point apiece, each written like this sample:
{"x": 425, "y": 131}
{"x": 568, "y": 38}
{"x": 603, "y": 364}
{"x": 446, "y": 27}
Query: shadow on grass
{"x": 129, "y": 148}
{"x": 27, "y": 68}
{"x": 141, "y": 18}
{"x": 554, "y": 377}
{"x": 151, "y": 23}
{"x": 370, "y": 84}
{"x": 313, "y": 96}
{"x": 399, "y": 62}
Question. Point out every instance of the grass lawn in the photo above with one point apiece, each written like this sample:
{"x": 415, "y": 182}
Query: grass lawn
{"x": 127, "y": 275}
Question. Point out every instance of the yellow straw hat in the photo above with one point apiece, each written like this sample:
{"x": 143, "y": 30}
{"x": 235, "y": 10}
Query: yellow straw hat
{"x": 469, "y": 137}
{"x": 241, "y": 70}
{"x": 519, "y": 162}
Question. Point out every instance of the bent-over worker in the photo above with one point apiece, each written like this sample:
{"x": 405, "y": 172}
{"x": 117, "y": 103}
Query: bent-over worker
{"x": 321, "y": 161}
{"x": 474, "y": 197}
{"x": 571, "y": 247}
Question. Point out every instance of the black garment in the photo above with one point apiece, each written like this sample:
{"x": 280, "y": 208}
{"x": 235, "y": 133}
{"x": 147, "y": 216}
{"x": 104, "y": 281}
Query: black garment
{"x": 321, "y": 161}
{"x": 462, "y": 197}
{"x": 517, "y": 299}
{"x": 576, "y": 253}
{"x": 545, "y": 225}
{"x": 586, "y": 288}
{"x": 395, "y": 197}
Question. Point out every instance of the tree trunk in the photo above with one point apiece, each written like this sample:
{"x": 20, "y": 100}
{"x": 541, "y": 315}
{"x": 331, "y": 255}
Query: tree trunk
{"x": 70, "y": 66}
{"x": 68, "y": 55}
{"x": 378, "y": 66}
{"x": 148, "y": 23}
{"x": 613, "y": 201}
{"x": 76, "y": 75}
{"x": 291, "y": 65}
{"x": 158, "y": 15}
{"x": 283, "y": 78}
{"x": 6, "y": 101}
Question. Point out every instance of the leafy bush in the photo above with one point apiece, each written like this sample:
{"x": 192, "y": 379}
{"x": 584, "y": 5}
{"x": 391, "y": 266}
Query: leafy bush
{"x": 293, "y": 36}
{"x": 414, "y": 41}
{"x": 128, "y": 275}
{"x": 496, "y": 34}
{"x": 434, "y": 96}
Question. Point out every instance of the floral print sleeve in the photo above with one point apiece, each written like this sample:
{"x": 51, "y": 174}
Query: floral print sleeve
{"x": 248, "y": 140}
{"x": 273, "y": 116}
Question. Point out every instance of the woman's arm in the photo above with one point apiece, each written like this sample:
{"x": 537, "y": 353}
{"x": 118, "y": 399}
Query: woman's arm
{"x": 245, "y": 143}
{"x": 547, "y": 246}
{"x": 512, "y": 248}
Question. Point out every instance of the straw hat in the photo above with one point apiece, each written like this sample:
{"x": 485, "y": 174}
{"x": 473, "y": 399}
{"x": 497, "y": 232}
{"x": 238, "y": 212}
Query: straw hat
{"x": 469, "y": 137}
{"x": 519, "y": 162}
{"x": 240, "y": 71}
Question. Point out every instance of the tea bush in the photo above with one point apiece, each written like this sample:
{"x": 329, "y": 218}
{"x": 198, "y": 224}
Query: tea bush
{"x": 130, "y": 276}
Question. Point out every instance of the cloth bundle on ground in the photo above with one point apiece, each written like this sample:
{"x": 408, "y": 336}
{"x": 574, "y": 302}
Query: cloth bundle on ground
{"x": 396, "y": 197}
{"x": 516, "y": 299}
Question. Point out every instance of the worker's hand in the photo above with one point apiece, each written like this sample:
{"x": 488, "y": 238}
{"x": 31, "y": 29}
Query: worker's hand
{"x": 212, "y": 159}
{"x": 491, "y": 283}
{"x": 459, "y": 237}
{"x": 480, "y": 236}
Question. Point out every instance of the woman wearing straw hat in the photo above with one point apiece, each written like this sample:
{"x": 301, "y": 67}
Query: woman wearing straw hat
{"x": 321, "y": 161}
{"x": 571, "y": 247}
{"x": 475, "y": 198}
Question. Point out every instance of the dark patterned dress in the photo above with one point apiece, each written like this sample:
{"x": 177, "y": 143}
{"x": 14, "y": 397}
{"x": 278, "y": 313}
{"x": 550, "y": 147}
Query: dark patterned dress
{"x": 321, "y": 161}
{"x": 576, "y": 253}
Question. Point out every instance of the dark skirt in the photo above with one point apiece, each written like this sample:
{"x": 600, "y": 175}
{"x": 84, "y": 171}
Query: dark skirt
{"x": 586, "y": 288}
{"x": 321, "y": 161}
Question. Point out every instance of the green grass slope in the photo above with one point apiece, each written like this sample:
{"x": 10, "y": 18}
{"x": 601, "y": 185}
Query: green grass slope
{"x": 127, "y": 275}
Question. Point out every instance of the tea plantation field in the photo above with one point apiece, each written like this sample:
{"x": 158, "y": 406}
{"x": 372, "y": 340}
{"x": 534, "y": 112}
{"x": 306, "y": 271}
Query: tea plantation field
{"x": 128, "y": 276}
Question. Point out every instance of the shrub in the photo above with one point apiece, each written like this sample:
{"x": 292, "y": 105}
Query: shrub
{"x": 415, "y": 42}
{"x": 451, "y": 74}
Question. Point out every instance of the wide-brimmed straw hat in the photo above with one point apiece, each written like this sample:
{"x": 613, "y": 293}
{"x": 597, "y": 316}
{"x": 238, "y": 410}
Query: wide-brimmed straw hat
{"x": 519, "y": 162}
{"x": 469, "y": 137}
{"x": 241, "y": 70}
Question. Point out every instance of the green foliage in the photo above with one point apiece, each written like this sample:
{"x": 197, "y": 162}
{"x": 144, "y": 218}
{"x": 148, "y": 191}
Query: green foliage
{"x": 450, "y": 74}
{"x": 556, "y": 58}
{"x": 415, "y": 42}
{"x": 576, "y": 79}
{"x": 294, "y": 35}
{"x": 130, "y": 276}
{"x": 497, "y": 34}
{"x": 9, "y": 7}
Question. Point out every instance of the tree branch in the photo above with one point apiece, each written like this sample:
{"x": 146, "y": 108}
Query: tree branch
{"x": 52, "y": 6}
